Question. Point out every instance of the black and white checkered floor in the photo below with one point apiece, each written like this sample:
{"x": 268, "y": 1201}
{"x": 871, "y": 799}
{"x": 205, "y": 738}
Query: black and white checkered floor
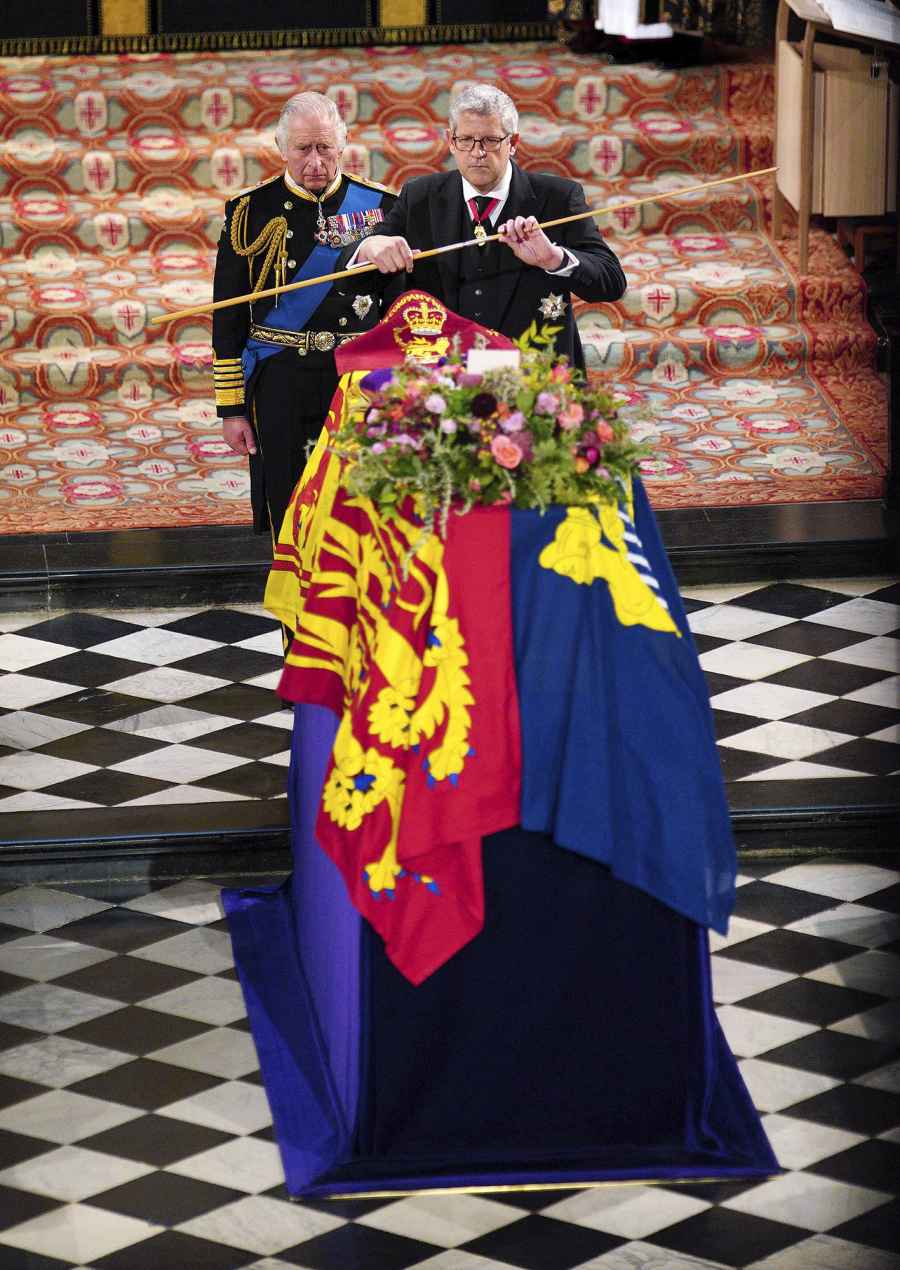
{"x": 135, "y": 1135}
{"x": 134, "y": 708}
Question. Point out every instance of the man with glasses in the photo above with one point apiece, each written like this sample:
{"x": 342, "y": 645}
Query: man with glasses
{"x": 525, "y": 277}
{"x": 274, "y": 368}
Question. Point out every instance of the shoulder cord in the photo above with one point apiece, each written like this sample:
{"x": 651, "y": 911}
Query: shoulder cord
{"x": 271, "y": 239}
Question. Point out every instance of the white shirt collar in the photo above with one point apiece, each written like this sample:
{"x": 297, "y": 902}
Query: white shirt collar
{"x": 500, "y": 191}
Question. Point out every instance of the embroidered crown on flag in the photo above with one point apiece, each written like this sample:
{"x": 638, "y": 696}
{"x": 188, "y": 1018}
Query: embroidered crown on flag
{"x": 416, "y": 327}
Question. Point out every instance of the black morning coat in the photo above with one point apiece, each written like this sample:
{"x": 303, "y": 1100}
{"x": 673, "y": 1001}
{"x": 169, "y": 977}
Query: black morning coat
{"x": 430, "y": 213}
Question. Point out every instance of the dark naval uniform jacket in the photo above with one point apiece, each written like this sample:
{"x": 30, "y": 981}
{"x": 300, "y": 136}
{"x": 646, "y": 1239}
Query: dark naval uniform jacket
{"x": 268, "y": 233}
{"x": 489, "y": 284}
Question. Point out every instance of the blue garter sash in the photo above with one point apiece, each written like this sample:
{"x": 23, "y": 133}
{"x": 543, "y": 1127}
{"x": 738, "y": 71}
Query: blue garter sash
{"x": 295, "y": 309}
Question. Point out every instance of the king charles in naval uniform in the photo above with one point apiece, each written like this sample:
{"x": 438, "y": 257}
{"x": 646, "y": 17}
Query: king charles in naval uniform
{"x": 274, "y": 366}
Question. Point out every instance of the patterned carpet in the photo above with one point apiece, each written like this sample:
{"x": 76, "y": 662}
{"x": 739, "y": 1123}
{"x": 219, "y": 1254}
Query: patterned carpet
{"x": 753, "y": 384}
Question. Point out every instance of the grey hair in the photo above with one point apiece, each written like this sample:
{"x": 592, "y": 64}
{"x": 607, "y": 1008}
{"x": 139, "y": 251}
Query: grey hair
{"x": 484, "y": 99}
{"x": 315, "y": 106}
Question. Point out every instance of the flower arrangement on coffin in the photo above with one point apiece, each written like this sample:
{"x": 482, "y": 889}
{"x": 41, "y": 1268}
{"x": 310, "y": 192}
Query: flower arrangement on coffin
{"x": 529, "y": 435}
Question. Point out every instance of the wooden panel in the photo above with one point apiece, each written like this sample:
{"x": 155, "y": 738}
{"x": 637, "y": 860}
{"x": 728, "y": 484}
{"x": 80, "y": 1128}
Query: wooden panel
{"x": 787, "y": 128}
{"x": 855, "y": 144}
{"x": 818, "y": 143}
{"x": 893, "y": 148}
{"x": 855, "y": 153}
{"x": 809, "y": 10}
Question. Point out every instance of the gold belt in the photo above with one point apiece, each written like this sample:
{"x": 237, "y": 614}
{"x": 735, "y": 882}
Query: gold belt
{"x": 303, "y": 341}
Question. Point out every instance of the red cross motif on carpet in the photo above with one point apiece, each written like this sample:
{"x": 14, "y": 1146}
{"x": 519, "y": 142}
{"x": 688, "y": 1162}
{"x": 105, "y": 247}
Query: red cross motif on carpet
{"x": 753, "y": 384}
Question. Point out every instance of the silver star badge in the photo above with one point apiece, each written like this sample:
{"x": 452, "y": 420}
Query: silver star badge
{"x": 552, "y": 306}
{"x": 361, "y": 305}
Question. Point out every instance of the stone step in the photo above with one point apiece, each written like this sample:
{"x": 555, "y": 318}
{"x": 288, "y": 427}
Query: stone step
{"x": 679, "y": 280}
{"x": 211, "y": 94}
{"x": 780, "y": 349}
{"x": 41, "y": 217}
{"x": 647, "y": 145}
{"x": 59, "y": 369}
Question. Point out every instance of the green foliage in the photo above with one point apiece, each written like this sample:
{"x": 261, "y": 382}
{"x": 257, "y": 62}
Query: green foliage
{"x": 530, "y": 435}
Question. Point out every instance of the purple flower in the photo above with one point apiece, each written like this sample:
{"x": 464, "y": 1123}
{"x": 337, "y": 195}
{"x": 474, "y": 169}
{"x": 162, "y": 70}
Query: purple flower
{"x": 547, "y": 403}
{"x": 449, "y": 426}
{"x": 483, "y": 405}
{"x": 376, "y": 380}
{"x": 470, "y": 379}
{"x": 379, "y": 447}
{"x": 514, "y": 422}
{"x": 376, "y": 430}
{"x": 435, "y": 403}
{"x": 525, "y": 442}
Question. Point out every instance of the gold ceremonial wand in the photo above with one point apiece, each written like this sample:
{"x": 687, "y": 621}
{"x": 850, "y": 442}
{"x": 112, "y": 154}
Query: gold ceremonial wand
{"x": 478, "y": 241}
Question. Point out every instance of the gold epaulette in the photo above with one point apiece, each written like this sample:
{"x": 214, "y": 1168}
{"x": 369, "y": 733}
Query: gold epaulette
{"x": 228, "y": 380}
{"x": 251, "y": 189}
{"x": 373, "y": 185}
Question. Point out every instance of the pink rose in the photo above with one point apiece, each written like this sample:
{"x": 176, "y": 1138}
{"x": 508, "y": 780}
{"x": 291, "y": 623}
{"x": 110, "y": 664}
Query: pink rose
{"x": 571, "y": 417}
{"x": 604, "y": 431}
{"x": 505, "y": 451}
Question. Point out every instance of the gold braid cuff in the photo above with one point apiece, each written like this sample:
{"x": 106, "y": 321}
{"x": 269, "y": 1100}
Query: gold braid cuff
{"x": 271, "y": 239}
{"x": 228, "y": 381}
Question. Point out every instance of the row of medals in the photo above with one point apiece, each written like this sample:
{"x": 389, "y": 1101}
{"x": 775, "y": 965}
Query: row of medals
{"x": 332, "y": 238}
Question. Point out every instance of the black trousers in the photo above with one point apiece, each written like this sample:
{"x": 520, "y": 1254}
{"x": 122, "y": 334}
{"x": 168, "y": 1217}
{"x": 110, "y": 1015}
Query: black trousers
{"x": 290, "y": 396}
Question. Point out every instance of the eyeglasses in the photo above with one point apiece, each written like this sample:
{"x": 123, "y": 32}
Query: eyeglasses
{"x": 488, "y": 144}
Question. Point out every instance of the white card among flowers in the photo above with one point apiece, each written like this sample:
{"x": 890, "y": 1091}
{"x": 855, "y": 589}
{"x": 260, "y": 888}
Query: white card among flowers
{"x": 478, "y": 360}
